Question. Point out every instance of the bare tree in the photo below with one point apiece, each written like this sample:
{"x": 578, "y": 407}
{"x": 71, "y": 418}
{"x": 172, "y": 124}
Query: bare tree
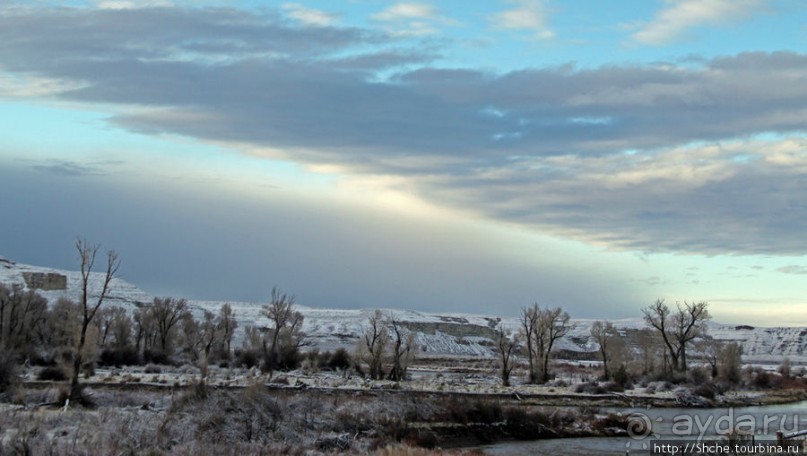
{"x": 541, "y": 328}
{"x": 678, "y": 328}
{"x": 285, "y": 333}
{"x": 145, "y": 329}
{"x": 650, "y": 348}
{"x": 278, "y": 311}
{"x": 506, "y": 344}
{"x": 552, "y": 325}
{"x": 373, "y": 345}
{"x": 22, "y": 313}
{"x": 61, "y": 328}
{"x": 604, "y": 333}
{"x": 731, "y": 360}
{"x": 120, "y": 328}
{"x": 227, "y": 327}
{"x": 201, "y": 337}
{"x": 89, "y": 306}
{"x": 402, "y": 348}
{"x": 107, "y": 317}
{"x": 253, "y": 340}
{"x": 710, "y": 348}
{"x": 166, "y": 314}
{"x": 529, "y": 321}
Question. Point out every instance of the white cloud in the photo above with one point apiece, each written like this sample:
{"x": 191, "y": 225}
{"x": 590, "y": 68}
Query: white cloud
{"x": 310, "y": 16}
{"x": 34, "y": 86}
{"x": 527, "y": 15}
{"x": 131, "y": 4}
{"x": 407, "y": 11}
{"x": 680, "y": 15}
{"x": 413, "y": 19}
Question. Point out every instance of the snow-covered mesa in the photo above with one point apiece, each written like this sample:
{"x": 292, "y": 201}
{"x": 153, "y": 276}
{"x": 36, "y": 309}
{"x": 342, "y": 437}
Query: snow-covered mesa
{"x": 436, "y": 334}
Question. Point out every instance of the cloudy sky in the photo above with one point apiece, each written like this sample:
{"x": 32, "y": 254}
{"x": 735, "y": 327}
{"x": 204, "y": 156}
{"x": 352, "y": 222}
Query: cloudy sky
{"x": 439, "y": 156}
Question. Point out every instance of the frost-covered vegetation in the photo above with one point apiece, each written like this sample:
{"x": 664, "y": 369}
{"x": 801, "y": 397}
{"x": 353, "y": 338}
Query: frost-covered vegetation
{"x": 259, "y": 420}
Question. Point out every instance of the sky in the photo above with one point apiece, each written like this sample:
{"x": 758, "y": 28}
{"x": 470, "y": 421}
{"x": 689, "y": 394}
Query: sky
{"x": 443, "y": 156}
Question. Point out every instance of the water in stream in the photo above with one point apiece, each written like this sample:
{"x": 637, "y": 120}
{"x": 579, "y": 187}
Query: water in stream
{"x": 670, "y": 424}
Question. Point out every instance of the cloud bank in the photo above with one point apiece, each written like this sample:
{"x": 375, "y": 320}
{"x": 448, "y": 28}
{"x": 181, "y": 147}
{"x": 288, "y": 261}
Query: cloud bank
{"x": 664, "y": 157}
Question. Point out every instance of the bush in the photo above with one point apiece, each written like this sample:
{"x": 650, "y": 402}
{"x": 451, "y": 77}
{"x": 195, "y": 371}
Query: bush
{"x": 349, "y": 421}
{"x": 478, "y": 411}
{"x": 8, "y": 372}
{"x": 706, "y": 390}
{"x": 197, "y": 392}
{"x": 697, "y": 376}
{"x": 515, "y": 416}
{"x": 784, "y": 368}
{"x": 340, "y": 360}
{"x": 88, "y": 369}
{"x": 422, "y": 438}
{"x": 613, "y": 387}
{"x": 622, "y": 378}
{"x": 155, "y": 357}
{"x": 153, "y": 369}
{"x": 526, "y": 426}
{"x": 290, "y": 358}
{"x": 766, "y": 380}
{"x": 485, "y": 412}
{"x": 589, "y": 388}
{"x": 611, "y": 421}
{"x": 42, "y": 359}
{"x": 558, "y": 383}
{"x": 52, "y": 374}
{"x": 123, "y": 356}
{"x": 84, "y": 399}
{"x": 246, "y": 358}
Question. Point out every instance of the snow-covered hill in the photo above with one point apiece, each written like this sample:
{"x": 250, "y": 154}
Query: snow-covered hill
{"x": 442, "y": 334}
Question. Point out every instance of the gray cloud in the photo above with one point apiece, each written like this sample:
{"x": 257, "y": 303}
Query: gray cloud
{"x": 67, "y": 169}
{"x": 691, "y": 199}
{"x": 569, "y": 151}
{"x": 793, "y": 269}
{"x": 203, "y": 243}
{"x": 72, "y": 168}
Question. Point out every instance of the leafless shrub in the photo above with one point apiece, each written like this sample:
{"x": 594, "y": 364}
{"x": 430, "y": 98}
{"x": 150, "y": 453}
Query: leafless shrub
{"x": 589, "y": 388}
{"x": 9, "y": 373}
{"x": 611, "y": 421}
{"x": 52, "y": 374}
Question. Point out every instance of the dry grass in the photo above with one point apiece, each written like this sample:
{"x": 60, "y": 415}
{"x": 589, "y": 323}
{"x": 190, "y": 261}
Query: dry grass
{"x": 404, "y": 450}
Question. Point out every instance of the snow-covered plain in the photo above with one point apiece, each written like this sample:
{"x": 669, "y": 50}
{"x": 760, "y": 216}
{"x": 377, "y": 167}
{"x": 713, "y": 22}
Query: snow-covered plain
{"x": 436, "y": 334}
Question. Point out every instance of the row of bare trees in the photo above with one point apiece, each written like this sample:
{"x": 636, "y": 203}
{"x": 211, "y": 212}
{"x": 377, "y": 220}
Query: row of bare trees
{"x": 662, "y": 349}
{"x": 278, "y": 344}
{"x": 166, "y": 327}
{"x": 77, "y": 331}
{"x": 386, "y": 346}
{"x": 539, "y": 330}
{"x": 22, "y": 317}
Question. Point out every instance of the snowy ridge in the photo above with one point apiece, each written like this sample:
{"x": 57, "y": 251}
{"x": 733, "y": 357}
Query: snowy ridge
{"x": 122, "y": 293}
{"x": 436, "y": 334}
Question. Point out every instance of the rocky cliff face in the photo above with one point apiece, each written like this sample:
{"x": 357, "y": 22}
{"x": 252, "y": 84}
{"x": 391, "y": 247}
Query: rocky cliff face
{"x": 49, "y": 281}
